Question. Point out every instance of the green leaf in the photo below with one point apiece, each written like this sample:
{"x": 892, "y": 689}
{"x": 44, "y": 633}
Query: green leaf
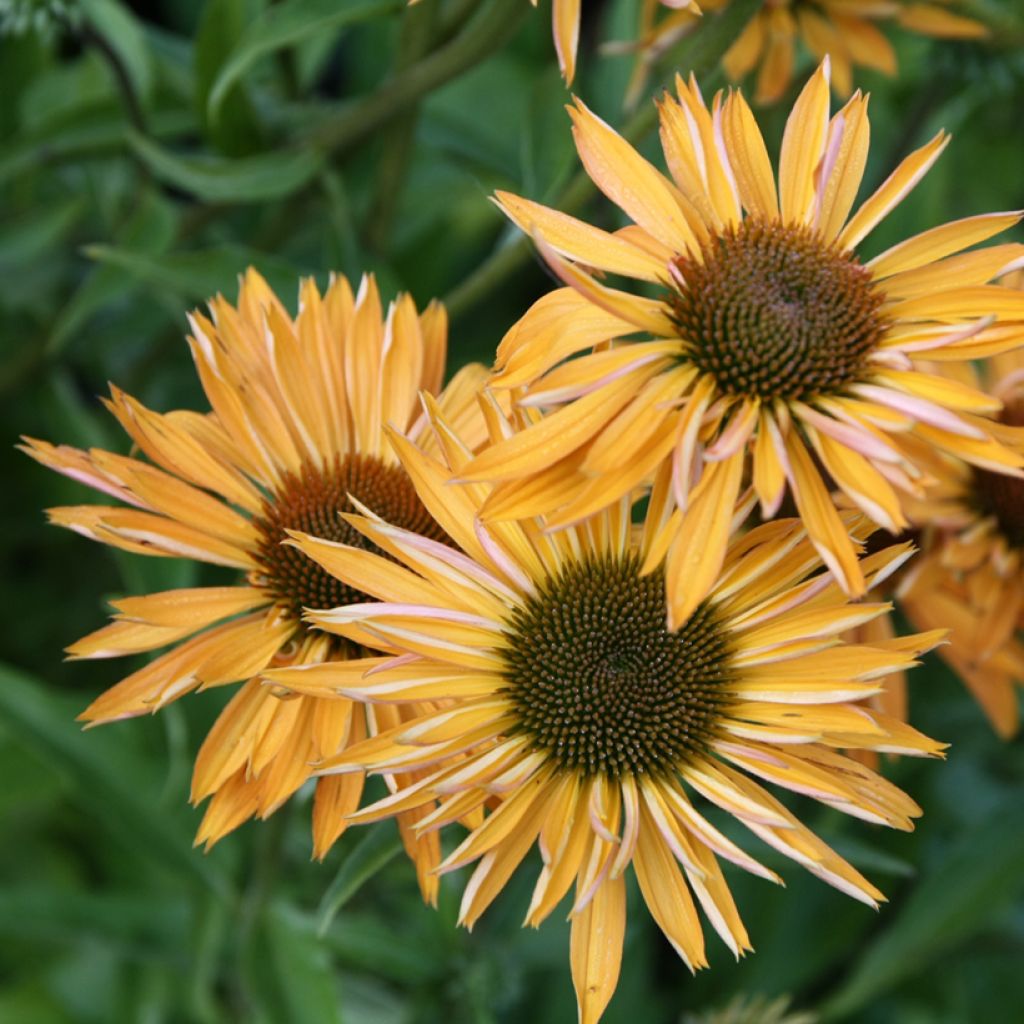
{"x": 291, "y": 971}
{"x": 250, "y": 179}
{"x": 284, "y": 25}
{"x": 236, "y": 132}
{"x": 195, "y": 276}
{"x": 120, "y": 30}
{"x": 136, "y": 924}
{"x": 43, "y": 725}
{"x": 150, "y": 229}
{"x": 377, "y": 847}
{"x": 979, "y": 876}
{"x": 30, "y": 238}
{"x": 81, "y": 141}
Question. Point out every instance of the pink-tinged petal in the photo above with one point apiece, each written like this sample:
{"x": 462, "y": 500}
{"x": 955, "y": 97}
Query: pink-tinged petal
{"x": 736, "y": 434}
{"x": 860, "y": 440}
{"x": 501, "y": 559}
{"x": 920, "y": 409}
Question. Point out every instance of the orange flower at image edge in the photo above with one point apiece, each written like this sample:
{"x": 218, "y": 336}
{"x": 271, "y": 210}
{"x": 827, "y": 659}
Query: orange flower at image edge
{"x": 570, "y": 717}
{"x": 298, "y": 411}
{"x": 970, "y": 573}
{"x": 771, "y": 356}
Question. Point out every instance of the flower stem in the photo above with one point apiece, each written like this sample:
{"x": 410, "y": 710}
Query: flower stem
{"x": 492, "y": 26}
{"x": 417, "y": 36}
{"x": 700, "y": 53}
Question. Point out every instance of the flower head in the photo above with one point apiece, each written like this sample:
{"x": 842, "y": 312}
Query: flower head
{"x": 568, "y": 716}
{"x": 970, "y": 574}
{"x": 845, "y": 30}
{"x": 294, "y": 436}
{"x": 772, "y": 356}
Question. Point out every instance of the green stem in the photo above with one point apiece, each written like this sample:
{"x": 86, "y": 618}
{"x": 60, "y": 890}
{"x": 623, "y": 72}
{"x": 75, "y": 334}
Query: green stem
{"x": 415, "y": 42}
{"x": 700, "y": 53}
{"x": 490, "y": 28}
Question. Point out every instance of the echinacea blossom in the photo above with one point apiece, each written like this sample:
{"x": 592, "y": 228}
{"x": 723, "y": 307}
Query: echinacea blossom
{"x": 846, "y": 31}
{"x": 567, "y": 716}
{"x": 767, "y": 354}
{"x": 295, "y": 432}
{"x": 970, "y": 573}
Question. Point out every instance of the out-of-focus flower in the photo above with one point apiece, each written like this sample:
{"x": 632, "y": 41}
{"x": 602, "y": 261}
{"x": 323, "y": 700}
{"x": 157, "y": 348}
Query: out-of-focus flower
{"x": 573, "y": 719}
{"x": 295, "y": 434}
{"x": 844, "y": 30}
{"x": 970, "y": 574}
{"x": 770, "y": 356}
{"x": 752, "y": 1010}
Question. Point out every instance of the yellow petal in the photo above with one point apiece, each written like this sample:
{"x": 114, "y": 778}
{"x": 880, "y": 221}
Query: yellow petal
{"x": 629, "y": 181}
{"x": 595, "y": 948}
{"x": 580, "y": 241}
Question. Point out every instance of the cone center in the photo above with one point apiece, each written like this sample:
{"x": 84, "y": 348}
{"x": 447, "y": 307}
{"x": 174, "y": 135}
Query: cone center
{"x": 600, "y": 683}
{"x": 771, "y": 310}
{"x": 1001, "y": 496}
{"x": 312, "y": 501}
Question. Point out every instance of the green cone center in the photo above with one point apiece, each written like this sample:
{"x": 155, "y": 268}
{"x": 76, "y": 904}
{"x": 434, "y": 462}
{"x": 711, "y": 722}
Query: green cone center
{"x": 772, "y": 310}
{"x": 598, "y": 680}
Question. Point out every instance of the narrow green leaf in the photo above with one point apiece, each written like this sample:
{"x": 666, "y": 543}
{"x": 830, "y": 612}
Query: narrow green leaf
{"x": 980, "y": 875}
{"x": 121, "y": 31}
{"x": 195, "y": 276}
{"x": 222, "y": 24}
{"x": 150, "y": 229}
{"x": 250, "y": 179}
{"x": 284, "y": 25}
{"x": 376, "y": 848}
{"x": 289, "y": 970}
{"x": 82, "y": 141}
{"x": 43, "y": 725}
{"x": 28, "y": 238}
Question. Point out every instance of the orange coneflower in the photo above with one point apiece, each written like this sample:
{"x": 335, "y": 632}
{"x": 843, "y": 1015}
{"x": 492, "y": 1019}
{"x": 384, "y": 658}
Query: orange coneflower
{"x": 844, "y": 30}
{"x": 298, "y": 408}
{"x": 580, "y": 723}
{"x": 970, "y": 574}
{"x": 770, "y": 353}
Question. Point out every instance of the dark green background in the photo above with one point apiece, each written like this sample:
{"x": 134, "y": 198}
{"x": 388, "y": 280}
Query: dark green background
{"x": 126, "y": 201}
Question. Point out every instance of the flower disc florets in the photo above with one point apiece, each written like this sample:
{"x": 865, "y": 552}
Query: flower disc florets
{"x": 312, "y": 502}
{"x": 772, "y": 310}
{"x": 598, "y": 680}
{"x": 999, "y": 495}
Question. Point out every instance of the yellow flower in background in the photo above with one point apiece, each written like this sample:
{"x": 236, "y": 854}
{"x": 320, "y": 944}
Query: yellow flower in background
{"x": 970, "y": 573}
{"x": 771, "y": 356}
{"x": 298, "y": 408}
{"x": 844, "y": 30}
{"x": 578, "y": 722}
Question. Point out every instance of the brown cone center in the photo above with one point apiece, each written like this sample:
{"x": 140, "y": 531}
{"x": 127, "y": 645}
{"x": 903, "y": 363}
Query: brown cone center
{"x": 312, "y": 502}
{"x": 772, "y": 310}
{"x": 1001, "y": 496}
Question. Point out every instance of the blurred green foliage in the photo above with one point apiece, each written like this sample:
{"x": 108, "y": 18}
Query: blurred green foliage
{"x": 148, "y": 153}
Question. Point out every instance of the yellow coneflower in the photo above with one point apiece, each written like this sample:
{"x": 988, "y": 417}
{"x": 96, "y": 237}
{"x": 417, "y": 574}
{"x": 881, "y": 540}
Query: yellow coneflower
{"x": 844, "y": 30}
{"x": 770, "y": 353}
{"x": 570, "y": 717}
{"x": 298, "y": 408}
{"x": 970, "y": 574}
